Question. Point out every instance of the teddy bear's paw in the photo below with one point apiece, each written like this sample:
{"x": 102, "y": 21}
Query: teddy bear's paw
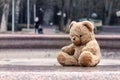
{"x": 66, "y": 60}
{"x": 86, "y": 59}
{"x": 61, "y": 59}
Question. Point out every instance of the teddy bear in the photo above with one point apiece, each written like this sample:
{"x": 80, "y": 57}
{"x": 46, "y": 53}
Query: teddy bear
{"x": 84, "y": 50}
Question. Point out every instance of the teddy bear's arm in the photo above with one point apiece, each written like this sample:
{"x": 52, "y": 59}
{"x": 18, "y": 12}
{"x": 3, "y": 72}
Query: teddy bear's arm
{"x": 92, "y": 47}
{"x": 68, "y": 49}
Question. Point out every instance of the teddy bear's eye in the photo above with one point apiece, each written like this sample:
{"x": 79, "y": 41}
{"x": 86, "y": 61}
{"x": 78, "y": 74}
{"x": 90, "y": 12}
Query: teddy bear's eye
{"x": 80, "y": 35}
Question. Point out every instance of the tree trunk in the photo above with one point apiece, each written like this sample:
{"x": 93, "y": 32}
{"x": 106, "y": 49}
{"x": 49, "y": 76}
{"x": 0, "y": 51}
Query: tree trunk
{"x": 62, "y": 16}
{"x": 1, "y": 10}
{"x": 17, "y": 10}
{"x": 70, "y": 12}
{"x": 108, "y": 9}
{"x": 5, "y": 17}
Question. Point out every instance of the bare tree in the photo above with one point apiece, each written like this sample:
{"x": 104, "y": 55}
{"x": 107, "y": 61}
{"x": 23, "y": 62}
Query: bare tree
{"x": 5, "y": 14}
{"x": 1, "y": 9}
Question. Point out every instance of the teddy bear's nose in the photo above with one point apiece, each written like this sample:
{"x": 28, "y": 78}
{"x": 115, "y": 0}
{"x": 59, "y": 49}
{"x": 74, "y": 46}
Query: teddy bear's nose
{"x": 73, "y": 38}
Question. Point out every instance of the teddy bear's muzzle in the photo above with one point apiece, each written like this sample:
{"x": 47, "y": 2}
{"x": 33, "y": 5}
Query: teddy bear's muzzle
{"x": 76, "y": 40}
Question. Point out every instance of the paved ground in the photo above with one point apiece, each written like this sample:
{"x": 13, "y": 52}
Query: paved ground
{"x": 42, "y": 65}
{"x": 7, "y": 54}
{"x": 20, "y": 59}
{"x": 46, "y": 30}
{"x": 59, "y": 75}
{"x": 49, "y": 69}
{"x": 49, "y": 62}
{"x": 46, "y": 57}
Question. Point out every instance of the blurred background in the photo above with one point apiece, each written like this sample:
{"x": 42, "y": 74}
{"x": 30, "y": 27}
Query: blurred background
{"x": 18, "y": 15}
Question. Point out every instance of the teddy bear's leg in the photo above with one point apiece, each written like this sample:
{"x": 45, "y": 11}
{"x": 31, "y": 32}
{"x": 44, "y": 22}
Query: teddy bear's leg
{"x": 66, "y": 59}
{"x": 87, "y": 59}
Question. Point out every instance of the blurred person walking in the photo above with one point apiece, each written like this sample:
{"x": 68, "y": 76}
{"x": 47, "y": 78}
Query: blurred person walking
{"x": 37, "y": 24}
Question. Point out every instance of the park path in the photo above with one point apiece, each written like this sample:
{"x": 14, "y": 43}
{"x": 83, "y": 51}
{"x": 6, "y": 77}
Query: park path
{"x": 49, "y": 30}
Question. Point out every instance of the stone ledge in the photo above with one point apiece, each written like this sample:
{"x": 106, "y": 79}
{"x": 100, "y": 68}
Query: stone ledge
{"x": 52, "y": 41}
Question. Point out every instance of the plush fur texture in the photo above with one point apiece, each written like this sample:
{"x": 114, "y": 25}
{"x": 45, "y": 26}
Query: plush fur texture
{"x": 84, "y": 50}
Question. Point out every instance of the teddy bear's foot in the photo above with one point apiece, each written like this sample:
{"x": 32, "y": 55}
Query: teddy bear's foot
{"x": 87, "y": 59}
{"x": 66, "y": 60}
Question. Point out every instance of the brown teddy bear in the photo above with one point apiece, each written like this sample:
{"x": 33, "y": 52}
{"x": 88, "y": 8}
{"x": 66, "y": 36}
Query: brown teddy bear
{"x": 84, "y": 50}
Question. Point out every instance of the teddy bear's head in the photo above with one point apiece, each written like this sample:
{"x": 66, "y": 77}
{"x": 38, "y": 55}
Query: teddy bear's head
{"x": 81, "y": 32}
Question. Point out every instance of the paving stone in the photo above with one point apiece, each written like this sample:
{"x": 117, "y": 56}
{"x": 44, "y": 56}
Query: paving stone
{"x": 59, "y": 75}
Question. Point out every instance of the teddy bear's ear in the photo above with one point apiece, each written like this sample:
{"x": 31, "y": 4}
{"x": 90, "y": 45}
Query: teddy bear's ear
{"x": 89, "y": 25}
{"x": 71, "y": 24}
